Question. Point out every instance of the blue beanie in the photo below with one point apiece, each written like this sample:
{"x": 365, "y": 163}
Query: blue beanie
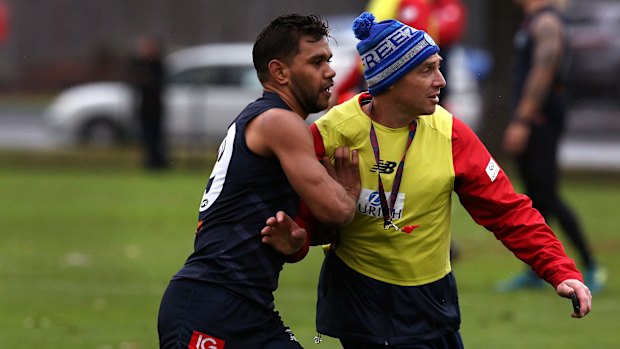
{"x": 389, "y": 49}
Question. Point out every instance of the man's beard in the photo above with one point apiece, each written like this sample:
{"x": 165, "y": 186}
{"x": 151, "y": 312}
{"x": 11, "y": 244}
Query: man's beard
{"x": 308, "y": 100}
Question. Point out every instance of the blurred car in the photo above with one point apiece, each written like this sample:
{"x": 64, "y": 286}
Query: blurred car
{"x": 594, "y": 32}
{"x": 207, "y": 86}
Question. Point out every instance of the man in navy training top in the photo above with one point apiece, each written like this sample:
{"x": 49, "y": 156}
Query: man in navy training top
{"x": 223, "y": 296}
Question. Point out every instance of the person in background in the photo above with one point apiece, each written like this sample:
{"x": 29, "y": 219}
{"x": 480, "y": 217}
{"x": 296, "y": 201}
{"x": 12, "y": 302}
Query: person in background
{"x": 223, "y": 296}
{"x": 387, "y": 280}
{"x": 147, "y": 74}
{"x": 443, "y": 20}
{"x": 538, "y": 122}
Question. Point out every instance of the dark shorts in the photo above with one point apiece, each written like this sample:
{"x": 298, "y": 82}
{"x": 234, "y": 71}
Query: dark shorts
{"x": 358, "y": 309}
{"x": 198, "y": 315}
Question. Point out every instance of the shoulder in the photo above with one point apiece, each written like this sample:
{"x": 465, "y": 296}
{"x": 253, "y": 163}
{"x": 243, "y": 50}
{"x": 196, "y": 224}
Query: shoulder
{"x": 275, "y": 124}
{"x": 343, "y": 118}
{"x": 343, "y": 125}
{"x": 440, "y": 120}
{"x": 274, "y": 130}
{"x": 277, "y": 119}
{"x": 448, "y": 125}
{"x": 547, "y": 22}
{"x": 462, "y": 133}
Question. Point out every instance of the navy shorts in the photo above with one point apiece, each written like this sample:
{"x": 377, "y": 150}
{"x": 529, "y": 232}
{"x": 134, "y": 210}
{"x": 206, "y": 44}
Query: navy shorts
{"x": 367, "y": 313}
{"x": 198, "y": 315}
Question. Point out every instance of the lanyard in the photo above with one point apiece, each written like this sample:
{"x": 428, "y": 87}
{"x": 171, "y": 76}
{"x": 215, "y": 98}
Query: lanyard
{"x": 385, "y": 208}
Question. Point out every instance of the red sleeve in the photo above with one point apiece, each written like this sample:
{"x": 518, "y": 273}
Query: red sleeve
{"x": 319, "y": 146}
{"x": 304, "y": 217}
{"x": 488, "y": 196}
{"x": 306, "y": 220}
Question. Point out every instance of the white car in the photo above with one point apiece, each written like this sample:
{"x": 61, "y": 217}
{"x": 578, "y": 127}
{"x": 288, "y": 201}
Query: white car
{"x": 207, "y": 86}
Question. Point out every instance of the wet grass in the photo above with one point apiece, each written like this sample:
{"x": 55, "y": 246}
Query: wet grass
{"x": 89, "y": 240}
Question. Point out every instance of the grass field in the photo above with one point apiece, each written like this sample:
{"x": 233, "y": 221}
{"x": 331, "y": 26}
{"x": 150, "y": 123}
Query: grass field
{"x": 86, "y": 250}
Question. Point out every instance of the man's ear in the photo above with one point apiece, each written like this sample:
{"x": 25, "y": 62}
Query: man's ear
{"x": 278, "y": 71}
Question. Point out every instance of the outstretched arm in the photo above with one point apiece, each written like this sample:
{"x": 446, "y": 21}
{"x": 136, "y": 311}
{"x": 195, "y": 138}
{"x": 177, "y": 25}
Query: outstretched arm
{"x": 487, "y": 194}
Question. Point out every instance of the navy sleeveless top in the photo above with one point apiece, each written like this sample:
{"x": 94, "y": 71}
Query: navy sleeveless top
{"x": 554, "y": 106}
{"x": 244, "y": 189}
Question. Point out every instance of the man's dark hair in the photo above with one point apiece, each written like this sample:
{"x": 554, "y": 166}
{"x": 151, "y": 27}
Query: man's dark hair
{"x": 280, "y": 39}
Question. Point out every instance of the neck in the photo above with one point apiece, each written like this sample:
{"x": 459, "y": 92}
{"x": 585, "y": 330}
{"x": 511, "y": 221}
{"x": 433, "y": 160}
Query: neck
{"x": 288, "y": 98}
{"x": 387, "y": 115}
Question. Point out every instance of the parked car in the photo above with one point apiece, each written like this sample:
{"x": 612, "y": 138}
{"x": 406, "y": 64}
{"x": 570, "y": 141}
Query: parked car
{"x": 207, "y": 86}
{"x": 594, "y": 32}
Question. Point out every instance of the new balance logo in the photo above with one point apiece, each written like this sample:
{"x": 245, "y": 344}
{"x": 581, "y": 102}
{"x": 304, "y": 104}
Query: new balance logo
{"x": 386, "y": 167}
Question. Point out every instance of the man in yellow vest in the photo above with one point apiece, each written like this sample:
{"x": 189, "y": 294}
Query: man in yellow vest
{"x": 387, "y": 281}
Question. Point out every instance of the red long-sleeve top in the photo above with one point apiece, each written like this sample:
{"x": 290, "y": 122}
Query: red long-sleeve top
{"x": 487, "y": 194}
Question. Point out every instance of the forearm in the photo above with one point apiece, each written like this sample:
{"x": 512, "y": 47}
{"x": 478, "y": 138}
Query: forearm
{"x": 328, "y": 201}
{"x": 347, "y": 185}
{"x": 537, "y": 87}
{"x": 521, "y": 228}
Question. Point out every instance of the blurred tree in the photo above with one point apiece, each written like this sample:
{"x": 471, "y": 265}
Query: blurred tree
{"x": 503, "y": 19}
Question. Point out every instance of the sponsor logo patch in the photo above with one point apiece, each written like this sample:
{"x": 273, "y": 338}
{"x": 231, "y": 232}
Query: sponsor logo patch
{"x": 369, "y": 204}
{"x": 492, "y": 169}
{"x": 386, "y": 167}
{"x": 204, "y": 341}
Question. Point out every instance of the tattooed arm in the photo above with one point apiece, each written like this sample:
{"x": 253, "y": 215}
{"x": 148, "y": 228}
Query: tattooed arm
{"x": 548, "y": 34}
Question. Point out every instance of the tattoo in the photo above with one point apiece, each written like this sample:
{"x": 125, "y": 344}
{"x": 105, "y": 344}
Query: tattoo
{"x": 547, "y": 53}
{"x": 548, "y": 41}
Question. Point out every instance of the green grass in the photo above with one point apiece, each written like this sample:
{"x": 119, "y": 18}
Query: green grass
{"x": 87, "y": 248}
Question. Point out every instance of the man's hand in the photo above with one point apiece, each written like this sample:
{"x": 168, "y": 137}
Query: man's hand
{"x": 570, "y": 286}
{"x": 283, "y": 234}
{"x": 345, "y": 170}
{"x": 516, "y": 137}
